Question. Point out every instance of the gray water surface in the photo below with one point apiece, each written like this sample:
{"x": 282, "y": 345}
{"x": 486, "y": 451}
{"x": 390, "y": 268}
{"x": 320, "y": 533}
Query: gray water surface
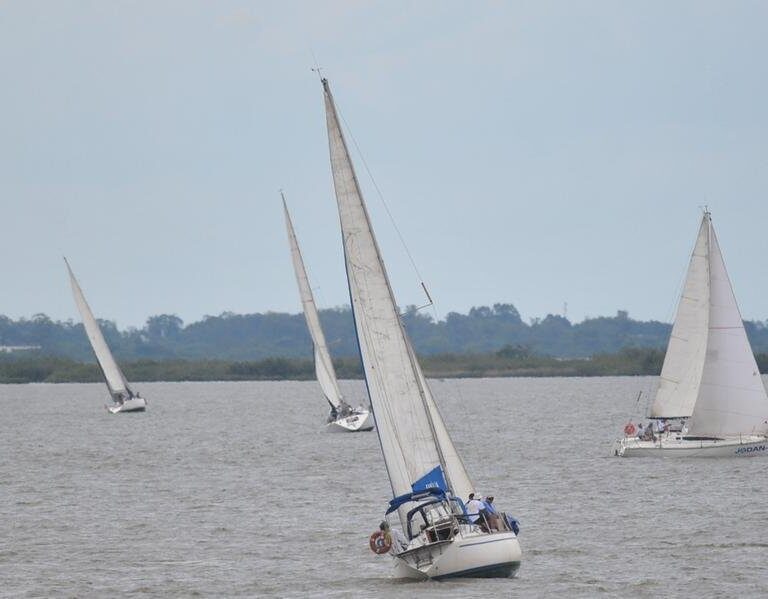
{"x": 233, "y": 490}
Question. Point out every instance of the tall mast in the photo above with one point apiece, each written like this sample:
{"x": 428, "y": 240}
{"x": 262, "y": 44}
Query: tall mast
{"x": 398, "y": 397}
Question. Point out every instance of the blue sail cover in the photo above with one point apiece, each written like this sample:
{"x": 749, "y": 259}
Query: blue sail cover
{"x": 432, "y": 483}
{"x": 434, "y": 479}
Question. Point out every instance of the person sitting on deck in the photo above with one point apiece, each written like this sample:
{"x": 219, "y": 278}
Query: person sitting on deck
{"x": 640, "y": 431}
{"x": 491, "y": 514}
{"x": 649, "y": 436}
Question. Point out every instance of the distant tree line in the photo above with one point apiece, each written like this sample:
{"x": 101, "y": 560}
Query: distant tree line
{"x": 255, "y": 337}
{"x": 508, "y": 361}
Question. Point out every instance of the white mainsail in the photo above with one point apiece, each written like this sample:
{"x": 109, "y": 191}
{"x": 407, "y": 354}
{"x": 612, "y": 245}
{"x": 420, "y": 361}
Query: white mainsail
{"x": 413, "y": 437}
{"x": 684, "y": 360}
{"x": 116, "y": 381}
{"x": 326, "y": 375}
{"x": 731, "y": 398}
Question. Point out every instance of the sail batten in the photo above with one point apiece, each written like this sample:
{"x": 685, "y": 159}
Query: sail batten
{"x": 113, "y": 376}
{"x": 324, "y": 370}
{"x": 413, "y": 437}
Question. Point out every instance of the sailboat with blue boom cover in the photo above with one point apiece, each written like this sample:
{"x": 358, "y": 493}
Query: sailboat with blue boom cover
{"x": 435, "y": 536}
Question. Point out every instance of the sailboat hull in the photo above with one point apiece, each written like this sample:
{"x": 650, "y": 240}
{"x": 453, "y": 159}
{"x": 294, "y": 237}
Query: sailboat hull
{"x": 355, "y": 423}
{"x": 676, "y": 447}
{"x": 135, "y": 404}
{"x": 473, "y": 556}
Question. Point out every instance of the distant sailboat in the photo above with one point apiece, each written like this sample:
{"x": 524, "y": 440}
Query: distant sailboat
{"x": 343, "y": 417}
{"x": 710, "y": 385}
{"x": 123, "y": 398}
{"x": 439, "y": 538}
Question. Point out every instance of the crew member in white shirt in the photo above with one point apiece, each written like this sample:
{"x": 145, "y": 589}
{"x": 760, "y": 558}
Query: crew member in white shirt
{"x": 473, "y": 508}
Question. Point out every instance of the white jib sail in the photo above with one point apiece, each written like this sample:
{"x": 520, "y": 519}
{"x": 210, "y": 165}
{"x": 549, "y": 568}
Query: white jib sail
{"x": 392, "y": 374}
{"x": 116, "y": 381}
{"x": 456, "y": 472}
{"x": 732, "y": 398}
{"x": 684, "y": 360}
{"x": 326, "y": 375}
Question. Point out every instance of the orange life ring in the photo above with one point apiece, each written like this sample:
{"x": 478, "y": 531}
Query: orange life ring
{"x": 629, "y": 430}
{"x": 380, "y": 542}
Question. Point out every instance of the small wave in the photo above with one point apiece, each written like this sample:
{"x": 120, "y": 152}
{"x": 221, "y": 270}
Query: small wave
{"x": 742, "y": 545}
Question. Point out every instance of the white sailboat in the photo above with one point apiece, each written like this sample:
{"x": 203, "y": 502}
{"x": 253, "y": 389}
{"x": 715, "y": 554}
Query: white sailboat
{"x": 438, "y": 539}
{"x": 123, "y": 397}
{"x": 343, "y": 417}
{"x": 709, "y": 381}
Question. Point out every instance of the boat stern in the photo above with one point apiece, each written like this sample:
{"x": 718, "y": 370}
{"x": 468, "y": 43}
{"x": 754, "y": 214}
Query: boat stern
{"x": 134, "y": 404}
{"x": 477, "y": 556}
{"x": 358, "y": 421}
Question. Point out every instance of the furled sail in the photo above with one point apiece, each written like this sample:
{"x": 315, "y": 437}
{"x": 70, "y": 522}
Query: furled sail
{"x": 410, "y": 429}
{"x": 731, "y": 398}
{"x": 684, "y": 360}
{"x": 116, "y": 381}
{"x": 326, "y": 375}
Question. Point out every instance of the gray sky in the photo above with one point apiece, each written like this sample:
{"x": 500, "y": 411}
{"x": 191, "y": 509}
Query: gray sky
{"x": 531, "y": 152}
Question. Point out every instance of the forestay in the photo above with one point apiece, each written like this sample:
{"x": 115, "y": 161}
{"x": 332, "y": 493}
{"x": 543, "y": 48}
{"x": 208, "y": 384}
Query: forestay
{"x": 684, "y": 360}
{"x": 326, "y": 375}
{"x": 411, "y": 432}
{"x": 116, "y": 381}
{"x": 731, "y": 398}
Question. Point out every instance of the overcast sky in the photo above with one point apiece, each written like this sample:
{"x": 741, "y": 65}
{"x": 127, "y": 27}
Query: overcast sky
{"x": 531, "y": 152}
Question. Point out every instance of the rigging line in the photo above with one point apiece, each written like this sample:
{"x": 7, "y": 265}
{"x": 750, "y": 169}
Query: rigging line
{"x": 317, "y": 69}
{"x": 386, "y": 207}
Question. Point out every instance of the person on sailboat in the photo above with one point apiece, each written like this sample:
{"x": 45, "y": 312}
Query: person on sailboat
{"x": 397, "y": 539}
{"x": 491, "y": 514}
{"x": 474, "y": 506}
{"x": 640, "y": 431}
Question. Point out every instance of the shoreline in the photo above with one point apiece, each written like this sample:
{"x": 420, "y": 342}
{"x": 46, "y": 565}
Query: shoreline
{"x": 53, "y": 369}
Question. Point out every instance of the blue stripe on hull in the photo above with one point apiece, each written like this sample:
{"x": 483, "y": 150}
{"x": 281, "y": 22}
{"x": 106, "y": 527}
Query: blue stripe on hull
{"x": 505, "y": 570}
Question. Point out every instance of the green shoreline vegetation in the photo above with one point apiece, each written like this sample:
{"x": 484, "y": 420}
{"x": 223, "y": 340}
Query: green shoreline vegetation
{"x": 510, "y": 361}
{"x": 487, "y": 341}
{"x": 257, "y": 337}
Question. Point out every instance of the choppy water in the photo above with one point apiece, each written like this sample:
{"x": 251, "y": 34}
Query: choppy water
{"x": 232, "y": 489}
